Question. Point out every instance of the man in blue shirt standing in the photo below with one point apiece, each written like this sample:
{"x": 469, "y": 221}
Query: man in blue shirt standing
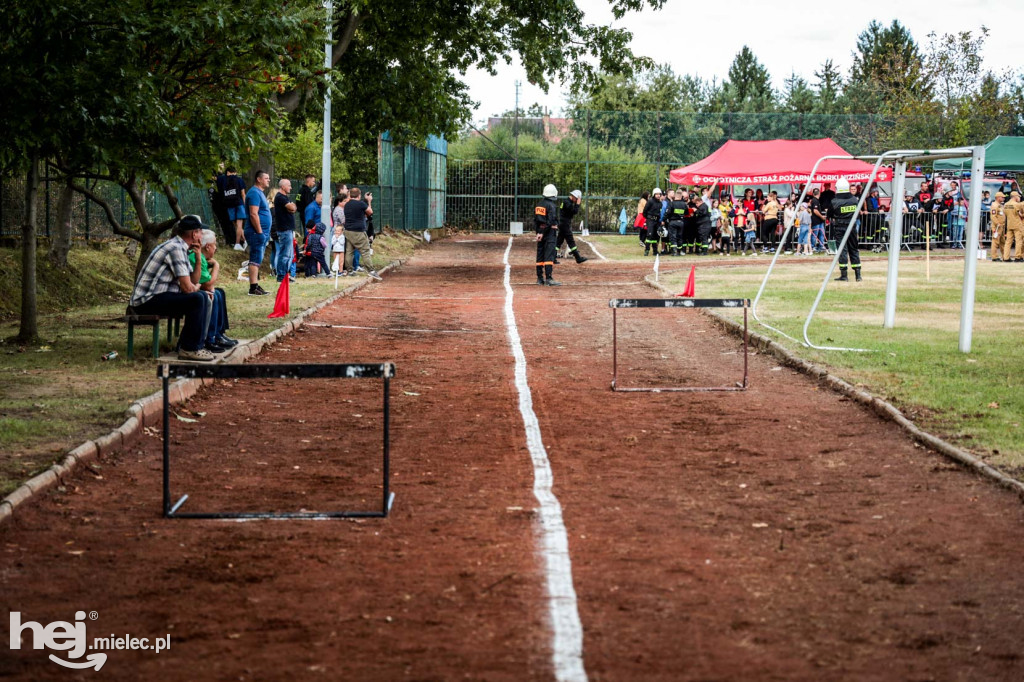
{"x": 257, "y": 229}
{"x": 313, "y": 208}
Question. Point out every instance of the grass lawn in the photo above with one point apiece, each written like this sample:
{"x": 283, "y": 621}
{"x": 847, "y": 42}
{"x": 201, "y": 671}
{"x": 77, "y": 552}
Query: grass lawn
{"x": 55, "y": 396}
{"x": 628, "y": 248}
{"x": 975, "y": 400}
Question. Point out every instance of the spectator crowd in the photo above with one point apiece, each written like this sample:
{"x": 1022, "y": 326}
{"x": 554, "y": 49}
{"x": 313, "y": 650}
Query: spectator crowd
{"x": 179, "y": 278}
{"x": 693, "y": 222}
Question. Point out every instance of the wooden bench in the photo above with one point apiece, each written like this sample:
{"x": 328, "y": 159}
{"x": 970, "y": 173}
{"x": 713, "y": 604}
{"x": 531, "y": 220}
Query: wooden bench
{"x": 133, "y": 319}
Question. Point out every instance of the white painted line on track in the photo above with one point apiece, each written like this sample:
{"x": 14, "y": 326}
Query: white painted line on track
{"x": 399, "y": 329}
{"x": 593, "y": 248}
{"x": 427, "y": 298}
{"x": 567, "y": 647}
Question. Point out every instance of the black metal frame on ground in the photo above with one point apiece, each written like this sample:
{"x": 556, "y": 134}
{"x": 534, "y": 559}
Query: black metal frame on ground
{"x": 617, "y": 303}
{"x": 166, "y": 372}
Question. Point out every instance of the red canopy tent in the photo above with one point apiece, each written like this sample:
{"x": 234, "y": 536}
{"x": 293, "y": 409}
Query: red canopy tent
{"x": 773, "y": 162}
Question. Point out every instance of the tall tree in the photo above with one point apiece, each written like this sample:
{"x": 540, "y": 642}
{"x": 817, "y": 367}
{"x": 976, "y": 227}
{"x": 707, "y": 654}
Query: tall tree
{"x": 402, "y": 62}
{"x": 186, "y": 85}
{"x": 828, "y": 87}
{"x": 888, "y": 61}
{"x": 748, "y": 88}
{"x": 797, "y": 96}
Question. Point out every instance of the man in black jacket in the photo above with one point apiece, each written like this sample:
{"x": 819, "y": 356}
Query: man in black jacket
{"x": 652, "y": 215}
{"x": 567, "y": 210}
{"x": 545, "y": 224}
{"x": 307, "y": 195}
{"x": 702, "y": 219}
{"x": 842, "y": 210}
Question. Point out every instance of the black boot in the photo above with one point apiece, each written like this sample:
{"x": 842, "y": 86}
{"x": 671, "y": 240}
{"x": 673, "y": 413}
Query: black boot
{"x": 647, "y": 250}
{"x": 548, "y": 279}
{"x": 540, "y": 275}
{"x": 856, "y": 274}
{"x": 842, "y": 276}
{"x": 579, "y": 258}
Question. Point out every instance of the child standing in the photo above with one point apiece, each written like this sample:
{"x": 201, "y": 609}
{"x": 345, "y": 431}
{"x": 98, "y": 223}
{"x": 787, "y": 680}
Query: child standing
{"x": 803, "y": 226}
{"x": 316, "y": 246}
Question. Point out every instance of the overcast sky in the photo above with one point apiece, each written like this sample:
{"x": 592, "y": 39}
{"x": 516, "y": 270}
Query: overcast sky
{"x": 785, "y": 36}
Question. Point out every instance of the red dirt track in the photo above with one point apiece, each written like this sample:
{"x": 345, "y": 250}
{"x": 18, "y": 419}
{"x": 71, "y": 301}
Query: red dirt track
{"x": 780, "y": 533}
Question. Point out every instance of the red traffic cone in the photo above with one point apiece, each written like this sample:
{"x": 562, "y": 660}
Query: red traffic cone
{"x": 281, "y": 307}
{"x": 689, "y": 290}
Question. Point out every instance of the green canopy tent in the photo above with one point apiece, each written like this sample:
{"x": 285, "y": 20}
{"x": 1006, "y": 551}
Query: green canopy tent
{"x": 1004, "y": 153}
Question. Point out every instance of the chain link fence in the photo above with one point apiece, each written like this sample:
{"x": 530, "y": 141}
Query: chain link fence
{"x": 615, "y": 156}
{"x": 412, "y": 184}
{"x": 88, "y": 220}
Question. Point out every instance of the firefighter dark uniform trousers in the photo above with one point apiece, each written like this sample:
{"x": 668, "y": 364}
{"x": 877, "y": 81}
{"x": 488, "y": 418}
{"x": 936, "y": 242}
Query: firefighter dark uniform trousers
{"x": 674, "y": 216}
{"x": 567, "y": 210}
{"x": 545, "y": 222}
{"x": 841, "y": 212}
{"x": 652, "y": 214}
{"x": 702, "y": 219}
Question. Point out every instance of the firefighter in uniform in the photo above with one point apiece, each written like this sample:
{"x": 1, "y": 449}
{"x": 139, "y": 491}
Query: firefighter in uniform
{"x": 842, "y": 210}
{"x": 997, "y": 219}
{"x": 674, "y": 216}
{"x": 690, "y": 241}
{"x": 568, "y": 209}
{"x": 545, "y": 223}
{"x": 702, "y": 221}
{"x": 652, "y": 216}
{"x": 1014, "y": 210}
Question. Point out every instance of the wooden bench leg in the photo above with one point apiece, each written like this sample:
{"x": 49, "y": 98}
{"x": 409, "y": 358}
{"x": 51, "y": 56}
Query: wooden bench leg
{"x": 131, "y": 340}
{"x": 156, "y": 340}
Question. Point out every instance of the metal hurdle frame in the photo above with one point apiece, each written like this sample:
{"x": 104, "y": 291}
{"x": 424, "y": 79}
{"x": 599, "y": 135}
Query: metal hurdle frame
{"x": 166, "y": 372}
{"x": 617, "y": 303}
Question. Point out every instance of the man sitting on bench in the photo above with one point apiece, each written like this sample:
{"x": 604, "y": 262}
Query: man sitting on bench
{"x": 168, "y": 285}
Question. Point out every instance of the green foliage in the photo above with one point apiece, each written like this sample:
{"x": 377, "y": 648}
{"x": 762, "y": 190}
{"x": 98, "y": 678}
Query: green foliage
{"x": 797, "y": 96}
{"x": 301, "y": 152}
{"x": 748, "y": 88}
{"x": 827, "y": 88}
{"x": 888, "y": 60}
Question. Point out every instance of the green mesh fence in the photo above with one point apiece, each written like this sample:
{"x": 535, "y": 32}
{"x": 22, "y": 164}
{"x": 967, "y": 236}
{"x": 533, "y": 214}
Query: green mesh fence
{"x": 411, "y": 185}
{"x": 88, "y": 220}
{"x": 614, "y": 156}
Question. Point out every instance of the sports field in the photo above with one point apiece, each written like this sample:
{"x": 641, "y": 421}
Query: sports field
{"x": 783, "y": 532}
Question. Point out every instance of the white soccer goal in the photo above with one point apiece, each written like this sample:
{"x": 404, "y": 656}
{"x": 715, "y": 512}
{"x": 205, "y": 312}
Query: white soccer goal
{"x": 899, "y": 158}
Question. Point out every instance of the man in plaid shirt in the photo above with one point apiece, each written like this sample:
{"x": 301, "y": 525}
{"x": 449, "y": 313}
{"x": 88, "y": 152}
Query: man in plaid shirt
{"x": 169, "y": 285}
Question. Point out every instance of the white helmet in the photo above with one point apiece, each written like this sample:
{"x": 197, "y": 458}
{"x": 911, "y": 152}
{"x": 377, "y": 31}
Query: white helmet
{"x": 842, "y": 185}
{"x": 576, "y": 193}
{"x": 550, "y": 192}
{"x": 657, "y": 190}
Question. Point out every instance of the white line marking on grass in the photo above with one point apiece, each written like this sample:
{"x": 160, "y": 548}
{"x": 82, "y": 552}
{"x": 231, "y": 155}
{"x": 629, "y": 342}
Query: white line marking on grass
{"x": 593, "y": 248}
{"x": 567, "y": 647}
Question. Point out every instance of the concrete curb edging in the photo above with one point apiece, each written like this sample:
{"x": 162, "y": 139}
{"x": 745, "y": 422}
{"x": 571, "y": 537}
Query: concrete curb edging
{"x": 147, "y": 411}
{"x": 880, "y": 407}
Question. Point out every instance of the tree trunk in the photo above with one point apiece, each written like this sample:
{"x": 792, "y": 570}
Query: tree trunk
{"x": 60, "y": 243}
{"x": 29, "y": 331}
{"x": 263, "y": 162}
{"x": 151, "y": 231}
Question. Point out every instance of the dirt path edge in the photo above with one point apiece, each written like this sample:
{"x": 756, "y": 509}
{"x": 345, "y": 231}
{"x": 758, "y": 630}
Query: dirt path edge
{"x": 148, "y": 411}
{"x": 880, "y": 407}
